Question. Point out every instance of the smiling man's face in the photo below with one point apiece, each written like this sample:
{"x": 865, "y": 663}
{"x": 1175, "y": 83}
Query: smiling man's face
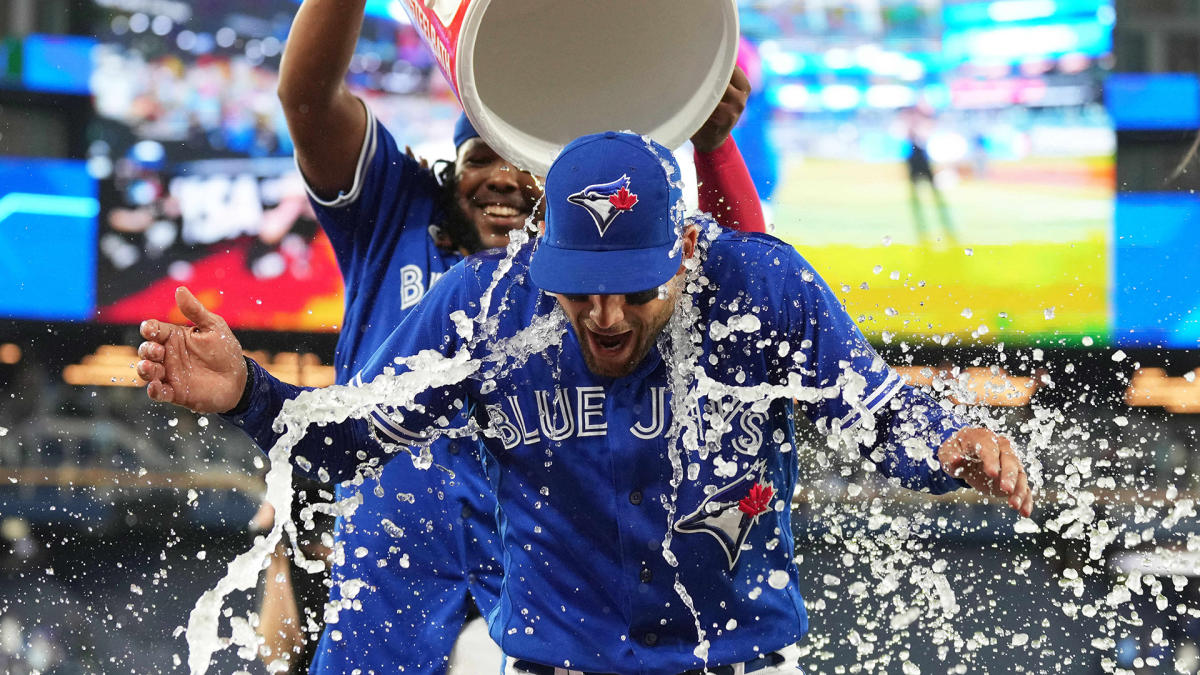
{"x": 492, "y": 193}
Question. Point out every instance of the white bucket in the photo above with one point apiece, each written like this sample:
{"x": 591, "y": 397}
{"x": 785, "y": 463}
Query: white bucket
{"x": 534, "y": 74}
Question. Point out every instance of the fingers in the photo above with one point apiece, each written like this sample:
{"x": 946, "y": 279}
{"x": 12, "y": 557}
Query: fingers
{"x": 152, "y": 329}
{"x": 1001, "y": 464}
{"x": 731, "y": 107}
{"x": 1021, "y": 498}
{"x": 160, "y": 391}
{"x": 151, "y": 371}
{"x": 152, "y": 351}
{"x": 740, "y": 81}
{"x": 150, "y": 367}
{"x": 1010, "y": 466}
{"x": 986, "y": 450}
{"x": 193, "y": 309}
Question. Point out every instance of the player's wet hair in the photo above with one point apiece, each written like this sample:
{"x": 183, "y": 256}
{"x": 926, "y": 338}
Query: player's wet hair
{"x": 455, "y": 224}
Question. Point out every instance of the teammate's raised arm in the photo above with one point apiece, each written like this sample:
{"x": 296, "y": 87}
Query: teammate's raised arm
{"x": 327, "y": 122}
{"x": 724, "y": 185}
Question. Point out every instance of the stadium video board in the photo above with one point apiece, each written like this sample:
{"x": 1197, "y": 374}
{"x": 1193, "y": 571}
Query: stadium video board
{"x": 191, "y": 150}
{"x": 949, "y": 167}
{"x": 1000, "y": 105}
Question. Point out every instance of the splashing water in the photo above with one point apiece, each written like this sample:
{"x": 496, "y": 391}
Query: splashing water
{"x": 910, "y": 592}
{"x": 330, "y": 406}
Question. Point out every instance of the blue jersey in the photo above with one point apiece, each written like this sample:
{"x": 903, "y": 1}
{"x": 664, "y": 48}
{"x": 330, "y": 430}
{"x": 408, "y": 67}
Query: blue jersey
{"x": 607, "y": 520}
{"x": 407, "y": 613}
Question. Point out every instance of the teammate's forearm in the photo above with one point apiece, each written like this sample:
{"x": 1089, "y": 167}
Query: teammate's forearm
{"x": 911, "y": 427}
{"x": 726, "y": 189}
{"x": 318, "y": 53}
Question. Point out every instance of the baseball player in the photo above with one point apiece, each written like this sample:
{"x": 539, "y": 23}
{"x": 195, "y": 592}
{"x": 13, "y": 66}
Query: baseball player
{"x": 643, "y": 461}
{"x": 396, "y": 227}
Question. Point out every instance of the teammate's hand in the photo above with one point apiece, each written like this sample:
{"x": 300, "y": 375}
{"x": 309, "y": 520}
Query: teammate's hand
{"x": 199, "y": 367}
{"x": 725, "y": 116}
{"x": 988, "y": 463}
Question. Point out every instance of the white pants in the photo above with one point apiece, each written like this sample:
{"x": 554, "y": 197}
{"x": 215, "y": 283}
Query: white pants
{"x": 791, "y": 655}
{"x": 474, "y": 651}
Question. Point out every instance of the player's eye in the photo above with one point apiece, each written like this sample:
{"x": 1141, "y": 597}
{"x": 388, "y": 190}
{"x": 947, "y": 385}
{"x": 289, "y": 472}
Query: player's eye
{"x": 641, "y": 297}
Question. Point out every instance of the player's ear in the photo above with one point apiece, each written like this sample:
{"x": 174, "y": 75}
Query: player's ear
{"x": 690, "y": 236}
{"x": 541, "y": 228}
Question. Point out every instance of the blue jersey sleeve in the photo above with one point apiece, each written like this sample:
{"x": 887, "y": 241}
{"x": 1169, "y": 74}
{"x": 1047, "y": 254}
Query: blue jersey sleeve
{"x": 855, "y": 391}
{"x": 848, "y": 380}
{"x": 427, "y": 364}
{"x": 267, "y": 396}
{"x": 429, "y": 392}
{"x": 386, "y": 180}
{"x": 910, "y": 428}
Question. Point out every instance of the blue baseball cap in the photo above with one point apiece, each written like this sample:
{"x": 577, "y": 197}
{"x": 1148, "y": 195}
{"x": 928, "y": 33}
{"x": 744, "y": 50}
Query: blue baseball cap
{"x": 463, "y": 131}
{"x": 614, "y": 215}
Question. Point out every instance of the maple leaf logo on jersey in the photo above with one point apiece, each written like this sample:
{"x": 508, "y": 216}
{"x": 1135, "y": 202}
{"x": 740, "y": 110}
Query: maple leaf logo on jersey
{"x": 605, "y": 201}
{"x": 728, "y": 514}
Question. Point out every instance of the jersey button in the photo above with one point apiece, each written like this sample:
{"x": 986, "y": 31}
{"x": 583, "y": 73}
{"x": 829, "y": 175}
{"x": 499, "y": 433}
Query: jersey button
{"x": 650, "y": 639}
{"x": 646, "y": 575}
{"x": 635, "y": 497}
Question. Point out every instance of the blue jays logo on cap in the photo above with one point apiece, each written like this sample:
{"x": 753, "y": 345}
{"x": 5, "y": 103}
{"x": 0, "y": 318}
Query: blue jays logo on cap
{"x": 729, "y": 513}
{"x": 605, "y": 201}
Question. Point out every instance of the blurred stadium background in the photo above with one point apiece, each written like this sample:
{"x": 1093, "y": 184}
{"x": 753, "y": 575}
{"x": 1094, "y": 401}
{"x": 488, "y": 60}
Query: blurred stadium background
{"x": 1055, "y": 289}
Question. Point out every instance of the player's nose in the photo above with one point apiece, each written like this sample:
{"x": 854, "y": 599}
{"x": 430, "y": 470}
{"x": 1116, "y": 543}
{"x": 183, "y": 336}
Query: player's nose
{"x": 607, "y": 310}
{"x": 504, "y": 177}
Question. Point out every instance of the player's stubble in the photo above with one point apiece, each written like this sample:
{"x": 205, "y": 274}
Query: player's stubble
{"x": 643, "y": 324}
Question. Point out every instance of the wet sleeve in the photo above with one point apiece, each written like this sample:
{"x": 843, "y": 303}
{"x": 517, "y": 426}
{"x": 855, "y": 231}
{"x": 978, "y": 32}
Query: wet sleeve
{"x": 426, "y": 393}
{"x": 850, "y": 390}
{"x": 910, "y": 428}
{"x": 845, "y": 381}
{"x": 726, "y": 190}
{"x": 426, "y": 364}
{"x": 265, "y": 398}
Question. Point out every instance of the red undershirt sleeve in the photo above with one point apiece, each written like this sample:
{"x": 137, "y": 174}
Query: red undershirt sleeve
{"x": 726, "y": 189}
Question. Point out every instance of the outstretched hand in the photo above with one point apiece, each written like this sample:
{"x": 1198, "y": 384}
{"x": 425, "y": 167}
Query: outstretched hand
{"x": 725, "y": 116}
{"x": 988, "y": 463}
{"x": 199, "y": 367}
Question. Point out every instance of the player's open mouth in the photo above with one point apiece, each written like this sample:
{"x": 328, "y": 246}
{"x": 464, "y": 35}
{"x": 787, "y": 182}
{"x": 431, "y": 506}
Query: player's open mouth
{"x": 610, "y": 344}
{"x": 506, "y": 214}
